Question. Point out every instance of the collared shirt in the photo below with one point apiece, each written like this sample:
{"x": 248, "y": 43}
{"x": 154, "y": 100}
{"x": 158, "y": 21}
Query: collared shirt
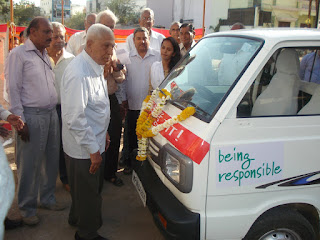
{"x": 156, "y": 74}
{"x": 85, "y": 107}
{"x": 137, "y": 80}
{"x": 4, "y": 113}
{"x": 59, "y": 68}
{"x": 183, "y": 50}
{"x": 306, "y": 68}
{"x": 30, "y": 79}
{"x": 75, "y": 42}
{"x": 155, "y": 41}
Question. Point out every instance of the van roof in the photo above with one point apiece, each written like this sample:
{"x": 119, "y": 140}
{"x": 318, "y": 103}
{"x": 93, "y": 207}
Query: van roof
{"x": 274, "y": 34}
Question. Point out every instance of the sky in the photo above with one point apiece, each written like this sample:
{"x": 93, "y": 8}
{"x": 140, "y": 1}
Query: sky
{"x": 37, "y": 2}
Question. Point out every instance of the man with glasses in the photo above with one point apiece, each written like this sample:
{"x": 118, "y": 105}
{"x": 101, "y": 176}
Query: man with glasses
{"x": 146, "y": 20}
{"x": 175, "y": 31}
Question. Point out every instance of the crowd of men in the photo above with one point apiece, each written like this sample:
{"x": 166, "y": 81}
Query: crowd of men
{"x": 67, "y": 106}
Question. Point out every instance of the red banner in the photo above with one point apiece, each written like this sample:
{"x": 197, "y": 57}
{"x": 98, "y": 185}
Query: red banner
{"x": 186, "y": 141}
{"x": 120, "y": 34}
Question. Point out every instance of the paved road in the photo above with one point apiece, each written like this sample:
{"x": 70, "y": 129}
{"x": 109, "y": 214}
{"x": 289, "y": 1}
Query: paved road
{"x": 124, "y": 216}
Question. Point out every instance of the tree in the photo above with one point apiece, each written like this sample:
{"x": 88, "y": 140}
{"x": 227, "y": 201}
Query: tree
{"x": 125, "y": 10}
{"x": 4, "y": 10}
{"x": 76, "y": 21}
{"x": 24, "y": 12}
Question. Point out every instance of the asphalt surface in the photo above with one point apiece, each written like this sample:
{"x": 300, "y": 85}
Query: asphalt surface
{"x": 124, "y": 216}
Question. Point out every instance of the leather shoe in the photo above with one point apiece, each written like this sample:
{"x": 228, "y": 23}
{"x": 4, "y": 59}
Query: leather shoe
{"x": 11, "y": 224}
{"x": 116, "y": 181}
{"x": 31, "y": 221}
{"x": 54, "y": 207}
{"x": 77, "y": 237}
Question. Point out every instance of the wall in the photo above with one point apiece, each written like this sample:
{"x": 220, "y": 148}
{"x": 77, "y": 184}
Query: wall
{"x": 167, "y": 11}
{"x": 162, "y": 12}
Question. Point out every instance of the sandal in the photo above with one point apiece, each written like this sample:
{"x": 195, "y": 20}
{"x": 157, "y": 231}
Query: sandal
{"x": 116, "y": 181}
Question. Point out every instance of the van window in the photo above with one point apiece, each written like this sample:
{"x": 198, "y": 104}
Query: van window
{"x": 288, "y": 85}
{"x": 204, "y": 76}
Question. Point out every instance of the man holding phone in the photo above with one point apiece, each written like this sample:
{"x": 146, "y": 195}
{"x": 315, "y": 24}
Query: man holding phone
{"x": 114, "y": 74}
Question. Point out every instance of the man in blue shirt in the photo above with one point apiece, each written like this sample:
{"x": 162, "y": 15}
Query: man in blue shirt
{"x": 310, "y": 65}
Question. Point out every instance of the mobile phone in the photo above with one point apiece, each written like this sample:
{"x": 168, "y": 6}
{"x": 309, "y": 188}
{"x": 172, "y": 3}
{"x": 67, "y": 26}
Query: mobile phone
{"x": 119, "y": 66}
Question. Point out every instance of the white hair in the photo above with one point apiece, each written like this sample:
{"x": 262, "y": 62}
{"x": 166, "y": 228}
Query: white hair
{"x": 96, "y": 32}
{"x": 58, "y": 25}
{"x": 147, "y": 10}
{"x": 108, "y": 13}
{"x": 175, "y": 22}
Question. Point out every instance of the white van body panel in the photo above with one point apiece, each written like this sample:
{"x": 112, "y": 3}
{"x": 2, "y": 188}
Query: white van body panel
{"x": 300, "y": 137}
{"x": 227, "y": 211}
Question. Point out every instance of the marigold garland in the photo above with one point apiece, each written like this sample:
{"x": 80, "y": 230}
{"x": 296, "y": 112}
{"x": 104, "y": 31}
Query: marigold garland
{"x": 149, "y": 114}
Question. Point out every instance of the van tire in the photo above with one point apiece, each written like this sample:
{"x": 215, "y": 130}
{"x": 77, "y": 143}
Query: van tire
{"x": 280, "y": 222}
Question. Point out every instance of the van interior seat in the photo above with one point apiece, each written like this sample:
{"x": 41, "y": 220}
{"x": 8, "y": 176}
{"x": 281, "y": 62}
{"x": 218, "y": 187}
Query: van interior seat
{"x": 280, "y": 97}
{"x": 313, "y": 106}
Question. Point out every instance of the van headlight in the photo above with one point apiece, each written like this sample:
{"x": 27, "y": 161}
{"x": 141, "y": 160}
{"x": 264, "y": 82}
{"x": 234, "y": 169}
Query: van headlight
{"x": 177, "y": 167}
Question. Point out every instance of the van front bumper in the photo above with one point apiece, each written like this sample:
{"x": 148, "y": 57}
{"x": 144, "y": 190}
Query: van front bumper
{"x": 171, "y": 216}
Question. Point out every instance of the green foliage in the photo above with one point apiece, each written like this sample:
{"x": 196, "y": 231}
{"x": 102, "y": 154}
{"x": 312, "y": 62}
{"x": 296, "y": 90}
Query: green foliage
{"x": 24, "y": 12}
{"x": 4, "y": 7}
{"x": 125, "y": 10}
{"x": 76, "y": 21}
{"x": 4, "y": 11}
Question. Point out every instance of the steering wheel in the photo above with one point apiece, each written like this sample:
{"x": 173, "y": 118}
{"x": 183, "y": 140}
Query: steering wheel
{"x": 205, "y": 93}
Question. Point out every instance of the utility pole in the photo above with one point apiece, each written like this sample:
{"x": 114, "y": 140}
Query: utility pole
{"x": 309, "y": 14}
{"x": 62, "y": 13}
{"x": 12, "y": 28}
{"x": 203, "y": 18}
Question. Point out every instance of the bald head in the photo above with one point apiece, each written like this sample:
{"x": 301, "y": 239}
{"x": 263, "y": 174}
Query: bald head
{"x": 237, "y": 26}
{"x": 107, "y": 18}
{"x": 90, "y": 19}
{"x": 100, "y": 43}
{"x": 40, "y": 32}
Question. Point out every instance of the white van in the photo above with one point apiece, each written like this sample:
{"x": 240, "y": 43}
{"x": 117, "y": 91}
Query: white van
{"x": 246, "y": 165}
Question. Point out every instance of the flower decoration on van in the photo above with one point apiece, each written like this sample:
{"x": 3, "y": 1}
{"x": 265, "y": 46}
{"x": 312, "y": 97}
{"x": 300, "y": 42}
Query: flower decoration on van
{"x": 151, "y": 109}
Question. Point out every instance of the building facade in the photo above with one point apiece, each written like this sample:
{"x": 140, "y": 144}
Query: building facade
{"x": 167, "y": 11}
{"x": 283, "y": 13}
{"x": 52, "y": 9}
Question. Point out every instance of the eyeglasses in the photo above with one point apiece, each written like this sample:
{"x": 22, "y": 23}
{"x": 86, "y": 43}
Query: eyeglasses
{"x": 146, "y": 19}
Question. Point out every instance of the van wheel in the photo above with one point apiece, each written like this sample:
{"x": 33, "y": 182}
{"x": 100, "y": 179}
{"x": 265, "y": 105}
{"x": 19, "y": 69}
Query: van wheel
{"x": 281, "y": 224}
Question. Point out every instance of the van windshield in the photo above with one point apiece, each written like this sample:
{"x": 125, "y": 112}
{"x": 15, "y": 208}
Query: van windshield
{"x": 206, "y": 73}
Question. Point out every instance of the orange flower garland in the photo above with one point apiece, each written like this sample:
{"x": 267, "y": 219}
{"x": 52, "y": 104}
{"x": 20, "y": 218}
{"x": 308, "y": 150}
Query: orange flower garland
{"x": 149, "y": 115}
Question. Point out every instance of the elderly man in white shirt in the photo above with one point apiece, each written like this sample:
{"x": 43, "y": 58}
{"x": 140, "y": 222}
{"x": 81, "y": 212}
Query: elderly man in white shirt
{"x": 77, "y": 40}
{"x": 146, "y": 20}
{"x": 60, "y": 59}
{"x": 85, "y": 120}
{"x": 137, "y": 83}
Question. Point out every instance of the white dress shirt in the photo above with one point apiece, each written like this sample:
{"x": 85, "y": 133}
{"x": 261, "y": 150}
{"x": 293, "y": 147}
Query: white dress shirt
{"x": 6, "y": 188}
{"x": 59, "y": 68}
{"x": 156, "y": 74}
{"x": 4, "y": 114}
{"x": 30, "y": 79}
{"x": 75, "y": 42}
{"x": 155, "y": 41}
{"x": 85, "y": 108}
{"x": 137, "y": 80}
